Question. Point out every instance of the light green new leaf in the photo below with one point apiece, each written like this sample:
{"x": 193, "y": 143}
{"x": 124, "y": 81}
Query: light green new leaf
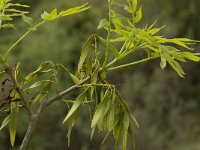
{"x": 138, "y": 15}
{"x": 111, "y": 49}
{"x": 27, "y": 19}
{"x": 163, "y": 62}
{"x": 134, "y": 5}
{"x": 18, "y": 5}
{"x": 5, "y": 122}
{"x": 50, "y": 16}
{"x": 128, "y": 9}
{"x": 8, "y": 25}
{"x": 73, "y": 77}
{"x": 103, "y": 23}
{"x": 191, "y": 56}
{"x": 74, "y": 10}
{"x": 85, "y": 51}
{"x": 76, "y": 105}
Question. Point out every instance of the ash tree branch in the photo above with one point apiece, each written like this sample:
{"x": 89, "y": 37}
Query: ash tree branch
{"x": 67, "y": 91}
{"x": 47, "y": 101}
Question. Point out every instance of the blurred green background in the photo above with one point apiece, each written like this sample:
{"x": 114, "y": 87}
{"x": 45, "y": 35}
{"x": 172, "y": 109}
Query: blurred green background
{"x": 166, "y": 106}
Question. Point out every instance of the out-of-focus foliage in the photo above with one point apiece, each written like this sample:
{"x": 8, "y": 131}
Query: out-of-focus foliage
{"x": 166, "y": 107}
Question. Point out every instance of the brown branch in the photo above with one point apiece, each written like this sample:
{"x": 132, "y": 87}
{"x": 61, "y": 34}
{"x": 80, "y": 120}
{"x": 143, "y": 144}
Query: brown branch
{"x": 33, "y": 123}
{"x": 26, "y": 104}
{"x": 63, "y": 93}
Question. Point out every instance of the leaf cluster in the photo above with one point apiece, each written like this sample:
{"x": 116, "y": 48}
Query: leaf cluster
{"x": 99, "y": 55}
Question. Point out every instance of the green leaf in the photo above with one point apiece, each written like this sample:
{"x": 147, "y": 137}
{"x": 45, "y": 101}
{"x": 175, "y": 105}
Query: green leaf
{"x": 8, "y": 25}
{"x": 117, "y": 128}
{"x": 85, "y": 51}
{"x": 125, "y": 130}
{"x": 74, "y": 10}
{"x": 110, "y": 118}
{"x": 37, "y": 84}
{"x": 163, "y": 62}
{"x": 18, "y": 75}
{"x": 18, "y": 5}
{"x": 128, "y": 9}
{"x": 134, "y": 5}
{"x": 42, "y": 92}
{"x": 111, "y": 48}
{"x": 101, "y": 110}
{"x": 70, "y": 123}
{"x": 50, "y": 16}
{"x": 191, "y": 56}
{"x": 5, "y": 122}
{"x": 28, "y": 20}
{"x": 138, "y": 15}
{"x": 76, "y": 105}
{"x": 103, "y": 23}
{"x": 13, "y": 127}
{"x": 38, "y": 72}
{"x": 73, "y": 77}
{"x": 135, "y": 121}
{"x": 131, "y": 134}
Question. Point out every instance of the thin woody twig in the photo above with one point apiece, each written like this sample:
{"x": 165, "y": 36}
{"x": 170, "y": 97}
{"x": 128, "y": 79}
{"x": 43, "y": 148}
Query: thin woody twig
{"x": 26, "y": 104}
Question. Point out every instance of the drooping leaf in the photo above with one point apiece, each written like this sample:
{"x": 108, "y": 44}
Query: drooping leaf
{"x": 70, "y": 123}
{"x": 125, "y": 130}
{"x": 5, "y": 122}
{"x": 76, "y": 105}
{"x": 85, "y": 51}
{"x": 111, "y": 49}
{"x": 27, "y": 19}
{"x": 13, "y": 127}
{"x": 73, "y": 77}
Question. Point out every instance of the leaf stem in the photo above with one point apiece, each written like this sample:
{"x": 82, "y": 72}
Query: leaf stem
{"x": 21, "y": 38}
{"x": 131, "y": 64}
